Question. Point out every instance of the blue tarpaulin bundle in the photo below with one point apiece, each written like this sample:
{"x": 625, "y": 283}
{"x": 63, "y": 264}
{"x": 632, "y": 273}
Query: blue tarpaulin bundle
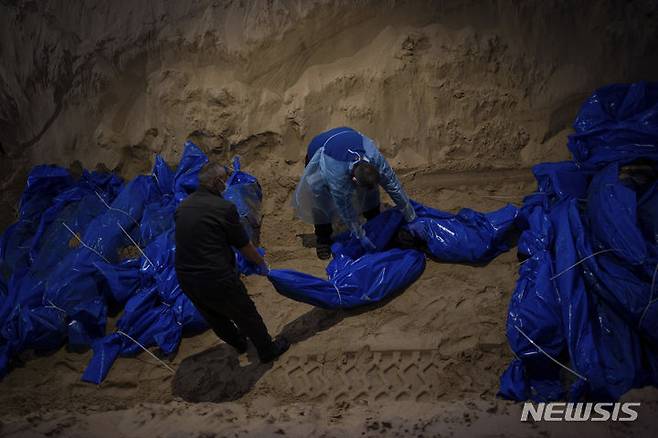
{"x": 357, "y": 278}
{"x": 245, "y": 192}
{"x": 468, "y": 236}
{"x": 62, "y": 271}
{"x": 54, "y": 212}
{"x": 158, "y": 313}
{"x": 583, "y": 320}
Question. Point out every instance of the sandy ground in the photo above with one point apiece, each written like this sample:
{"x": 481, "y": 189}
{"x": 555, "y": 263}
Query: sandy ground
{"x": 425, "y": 363}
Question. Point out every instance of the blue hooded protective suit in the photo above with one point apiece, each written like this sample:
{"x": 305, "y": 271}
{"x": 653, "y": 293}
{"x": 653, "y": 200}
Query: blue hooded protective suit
{"x": 326, "y": 191}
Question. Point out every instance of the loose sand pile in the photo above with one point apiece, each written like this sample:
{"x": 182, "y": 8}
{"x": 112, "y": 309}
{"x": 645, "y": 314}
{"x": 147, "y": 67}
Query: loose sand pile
{"x": 462, "y": 96}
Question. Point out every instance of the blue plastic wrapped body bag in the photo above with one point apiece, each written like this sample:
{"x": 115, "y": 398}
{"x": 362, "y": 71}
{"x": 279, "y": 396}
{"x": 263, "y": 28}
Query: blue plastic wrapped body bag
{"x": 245, "y": 192}
{"x": 358, "y": 278}
{"x": 86, "y": 248}
{"x": 58, "y": 211}
{"x": 618, "y": 123}
{"x": 584, "y": 310}
{"x": 158, "y": 313}
{"x": 468, "y": 236}
{"x": 353, "y": 282}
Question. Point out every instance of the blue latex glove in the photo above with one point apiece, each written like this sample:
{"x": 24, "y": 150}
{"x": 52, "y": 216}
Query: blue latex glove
{"x": 417, "y": 229}
{"x": 367, "y": 243}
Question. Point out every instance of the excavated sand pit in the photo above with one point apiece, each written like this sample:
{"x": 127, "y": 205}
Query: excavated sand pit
{"x": 462, "y": 96}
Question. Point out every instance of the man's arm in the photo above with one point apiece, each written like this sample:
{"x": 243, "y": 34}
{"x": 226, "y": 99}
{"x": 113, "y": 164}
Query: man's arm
{"x": 250, "y": 253}
{"x": 391, "y": 184}
{"x": 341, "y": 192}
{"x": 238, "y": 238}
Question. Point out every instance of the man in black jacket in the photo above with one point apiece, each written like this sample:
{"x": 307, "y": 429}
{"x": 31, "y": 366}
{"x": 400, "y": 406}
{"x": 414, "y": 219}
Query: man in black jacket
{"x": 207, "y": 226}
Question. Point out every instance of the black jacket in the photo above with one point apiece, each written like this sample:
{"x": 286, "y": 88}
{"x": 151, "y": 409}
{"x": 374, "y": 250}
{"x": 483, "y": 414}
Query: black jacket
{"x": 206, "y": 227}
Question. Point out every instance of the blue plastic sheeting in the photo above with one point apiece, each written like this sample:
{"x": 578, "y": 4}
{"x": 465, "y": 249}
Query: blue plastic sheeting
{"x": 352, "y": 282}
{"x": 356, "y": 278}
{"x": 54, "y": 210}
{"x": 618, "y": 123}
{"x": 158, "y": 313}
{"x": 468, "y": 236}
{"x": 244, "y": 191}
{"x": 585, "y": 296}
{"x": 186, "y": 179}
{"x": 61, "y": 268}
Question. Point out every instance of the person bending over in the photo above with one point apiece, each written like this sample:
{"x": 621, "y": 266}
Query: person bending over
{"x": 344, "y": 170}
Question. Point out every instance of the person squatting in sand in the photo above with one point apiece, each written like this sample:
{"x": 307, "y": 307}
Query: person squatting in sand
{"x": 344, "y": 170}
{"x": 207, "y": 226}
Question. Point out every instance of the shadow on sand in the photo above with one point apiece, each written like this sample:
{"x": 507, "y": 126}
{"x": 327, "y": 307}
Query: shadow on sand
{"x": 217, "y": 374}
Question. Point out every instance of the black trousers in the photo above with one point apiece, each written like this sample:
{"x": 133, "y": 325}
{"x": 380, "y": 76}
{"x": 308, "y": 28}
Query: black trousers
{"x": 228, "y": 310}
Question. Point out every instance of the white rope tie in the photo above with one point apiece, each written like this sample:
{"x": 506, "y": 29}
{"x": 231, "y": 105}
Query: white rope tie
{"x": 653, "y": 280}
{"x": 85, "y": 245}
{"x": 651, "y": 300}
{"x": 582, "y": 260}
{"x": 549, "y": 356}
{"x": 135, "y": 243}
{"x": 115, "y": 209}
{"x": 53, "y": 306}
{"x": 145, "y": 349}
{"x": 340, "y": 299}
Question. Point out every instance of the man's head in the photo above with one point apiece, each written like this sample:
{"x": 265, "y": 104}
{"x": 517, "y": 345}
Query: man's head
{"x": 365, "y": 175}
{"x": 213, "y": 177}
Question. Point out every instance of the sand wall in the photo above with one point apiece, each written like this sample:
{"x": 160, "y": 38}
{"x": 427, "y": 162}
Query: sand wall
{"x": 454, "y": 85}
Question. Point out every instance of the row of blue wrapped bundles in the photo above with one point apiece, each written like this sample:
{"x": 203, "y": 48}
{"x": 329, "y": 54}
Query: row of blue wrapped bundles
{"x": 54, "y": 292}
{"x": 583, "y": 320}
{"x": 61, "y": 272}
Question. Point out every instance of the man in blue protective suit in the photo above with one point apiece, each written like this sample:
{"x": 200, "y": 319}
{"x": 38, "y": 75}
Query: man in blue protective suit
{"x": 344, "y": 170}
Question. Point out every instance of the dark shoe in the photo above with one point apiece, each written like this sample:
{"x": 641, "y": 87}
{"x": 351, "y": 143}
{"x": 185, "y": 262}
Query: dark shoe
{"x": 323, "y": 251}
{"x": 279, "y": 346}
{"x": 242, "y": 346}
